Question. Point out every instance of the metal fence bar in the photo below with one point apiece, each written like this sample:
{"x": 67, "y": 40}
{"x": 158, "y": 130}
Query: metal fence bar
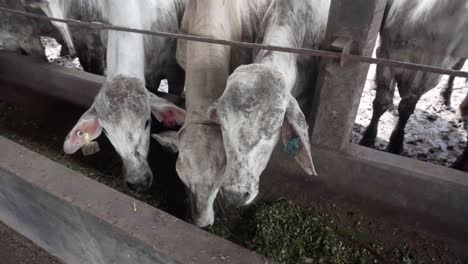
{"x": 301, "y": 51}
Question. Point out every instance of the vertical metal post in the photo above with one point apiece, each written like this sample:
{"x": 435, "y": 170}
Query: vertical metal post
{"x": 353, "y": 26}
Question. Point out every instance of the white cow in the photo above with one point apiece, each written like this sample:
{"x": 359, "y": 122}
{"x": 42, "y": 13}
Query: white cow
{"x": 123, "y": 107}
{"x": 201, "y": 160}
{"x": 432, "y": 32}
{"x": 90, "y": 45}
{"x": 259, "y": 105}
{"x": 80, "y": 41}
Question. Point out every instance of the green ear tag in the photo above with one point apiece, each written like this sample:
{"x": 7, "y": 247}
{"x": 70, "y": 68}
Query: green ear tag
{"x": 293, "y": 147}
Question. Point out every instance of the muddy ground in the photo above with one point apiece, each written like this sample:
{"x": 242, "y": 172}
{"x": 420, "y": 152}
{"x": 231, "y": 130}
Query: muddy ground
{"x": 434, "y": 132}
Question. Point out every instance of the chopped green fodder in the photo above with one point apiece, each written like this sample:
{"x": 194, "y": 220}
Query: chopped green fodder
{"x": 288, "y": 234}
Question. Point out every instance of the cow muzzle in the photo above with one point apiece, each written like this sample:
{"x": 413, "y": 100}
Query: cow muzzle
{"x": 239, "y": 198}
{"x": 140, "y": 184}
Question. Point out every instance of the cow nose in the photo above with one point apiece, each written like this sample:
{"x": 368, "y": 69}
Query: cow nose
{"x": 203, "y": 222}
{"x": 148, "y": 179}
{"x": 133, "y": 186}
{"x": 141, "y": 185}
{"x": 237, "y": 198}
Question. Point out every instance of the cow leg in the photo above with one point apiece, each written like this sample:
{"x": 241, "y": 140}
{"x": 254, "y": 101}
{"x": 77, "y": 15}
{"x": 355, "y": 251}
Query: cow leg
{"x": 97, "y": 55}
{"x": 66, "y": 36}
{"x": 97, "y": 61}
{"x": 464, "y": 111}
{"x": 447, "y": 90}
{"x": 176, "y": 80}
{"x": 382, "y": 102}
{"x": 405, "y": 109}
{"x": 83, "y": 55}
{"x": 92, "y": 56}
{"x": 462, "y": 162}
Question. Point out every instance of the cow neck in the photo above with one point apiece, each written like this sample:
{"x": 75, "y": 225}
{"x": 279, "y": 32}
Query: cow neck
{"x": 203, "y": 87}
{"x": 125, "y": 51}
{"x": 208, "y": 65}
{"x": 284, "y": 62}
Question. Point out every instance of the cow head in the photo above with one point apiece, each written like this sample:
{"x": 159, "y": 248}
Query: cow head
{"x": 122, "y": 109}
{"x": 200, "y": 166}
{"x": 254, "y": 111}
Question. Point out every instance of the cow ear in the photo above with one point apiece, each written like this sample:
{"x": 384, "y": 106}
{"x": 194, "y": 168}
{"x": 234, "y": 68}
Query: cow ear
{"x": 295, "y": 136}
{"x": 89, "y": 124}
{"x": 166, "y": 112}
{"x": 168, "y": 139}
{"x": 213, "y": 113}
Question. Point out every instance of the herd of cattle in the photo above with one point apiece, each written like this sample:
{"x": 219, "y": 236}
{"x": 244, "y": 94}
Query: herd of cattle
{"x": 239, "y": 102}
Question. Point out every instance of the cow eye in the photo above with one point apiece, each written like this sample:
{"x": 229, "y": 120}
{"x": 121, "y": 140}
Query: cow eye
{"x": 147, "y": 123}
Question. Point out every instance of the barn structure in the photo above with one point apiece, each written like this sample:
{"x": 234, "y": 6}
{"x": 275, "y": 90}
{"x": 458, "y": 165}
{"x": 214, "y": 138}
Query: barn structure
{"x": 50, "y": 204}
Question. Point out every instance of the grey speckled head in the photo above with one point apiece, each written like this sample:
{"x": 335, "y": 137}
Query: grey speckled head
{"x": 200, "y": 165}
{"x": 122, "y": 109}
{"x": 254, "y": 112}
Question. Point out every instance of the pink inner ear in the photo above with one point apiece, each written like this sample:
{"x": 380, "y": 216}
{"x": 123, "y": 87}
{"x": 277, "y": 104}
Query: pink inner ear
{"x": 73, "y": 142}
{"x": 286, "y": 132}
{"x": 214, "y": 116}
{"x": 303, "y": 157}
{"x": 172, "y": 116}
{"x": 169, "y": 119}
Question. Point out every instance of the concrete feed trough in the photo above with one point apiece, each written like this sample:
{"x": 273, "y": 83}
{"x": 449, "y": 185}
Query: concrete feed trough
{"x": 81, "y": 221}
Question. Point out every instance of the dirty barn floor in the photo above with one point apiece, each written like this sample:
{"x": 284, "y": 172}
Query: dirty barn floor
{"x": 434, "y": 133}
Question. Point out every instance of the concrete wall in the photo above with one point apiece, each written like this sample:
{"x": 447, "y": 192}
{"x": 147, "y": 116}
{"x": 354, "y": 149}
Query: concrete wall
{"x": 82, "y": 221}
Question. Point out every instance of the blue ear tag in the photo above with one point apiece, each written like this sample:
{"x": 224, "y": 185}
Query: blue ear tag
{"x": 293, "y": 147}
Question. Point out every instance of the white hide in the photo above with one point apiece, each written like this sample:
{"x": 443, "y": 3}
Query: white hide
{"x": 259, "y": 106}
{"x": 201, "y": 158}
{"x": 123, "y": 106}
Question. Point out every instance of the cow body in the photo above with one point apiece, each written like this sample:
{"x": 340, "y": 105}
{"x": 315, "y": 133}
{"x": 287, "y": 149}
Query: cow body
{"x": 201, "y": 160}
{"x": 90, "y": 45}
{"x": 259, "y": 105}
{"x": 251, "y": 110}
{"x": 425, "y": 32}
{"x": 159, "y": 53}
{"x": 123, "y": 107}
{"x": 79, "y": 41}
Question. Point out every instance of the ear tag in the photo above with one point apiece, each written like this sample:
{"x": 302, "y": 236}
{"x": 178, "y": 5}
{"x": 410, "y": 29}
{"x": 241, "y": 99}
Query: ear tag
{"x": 293, "y": 147}
{"x": 90, "y": 147}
